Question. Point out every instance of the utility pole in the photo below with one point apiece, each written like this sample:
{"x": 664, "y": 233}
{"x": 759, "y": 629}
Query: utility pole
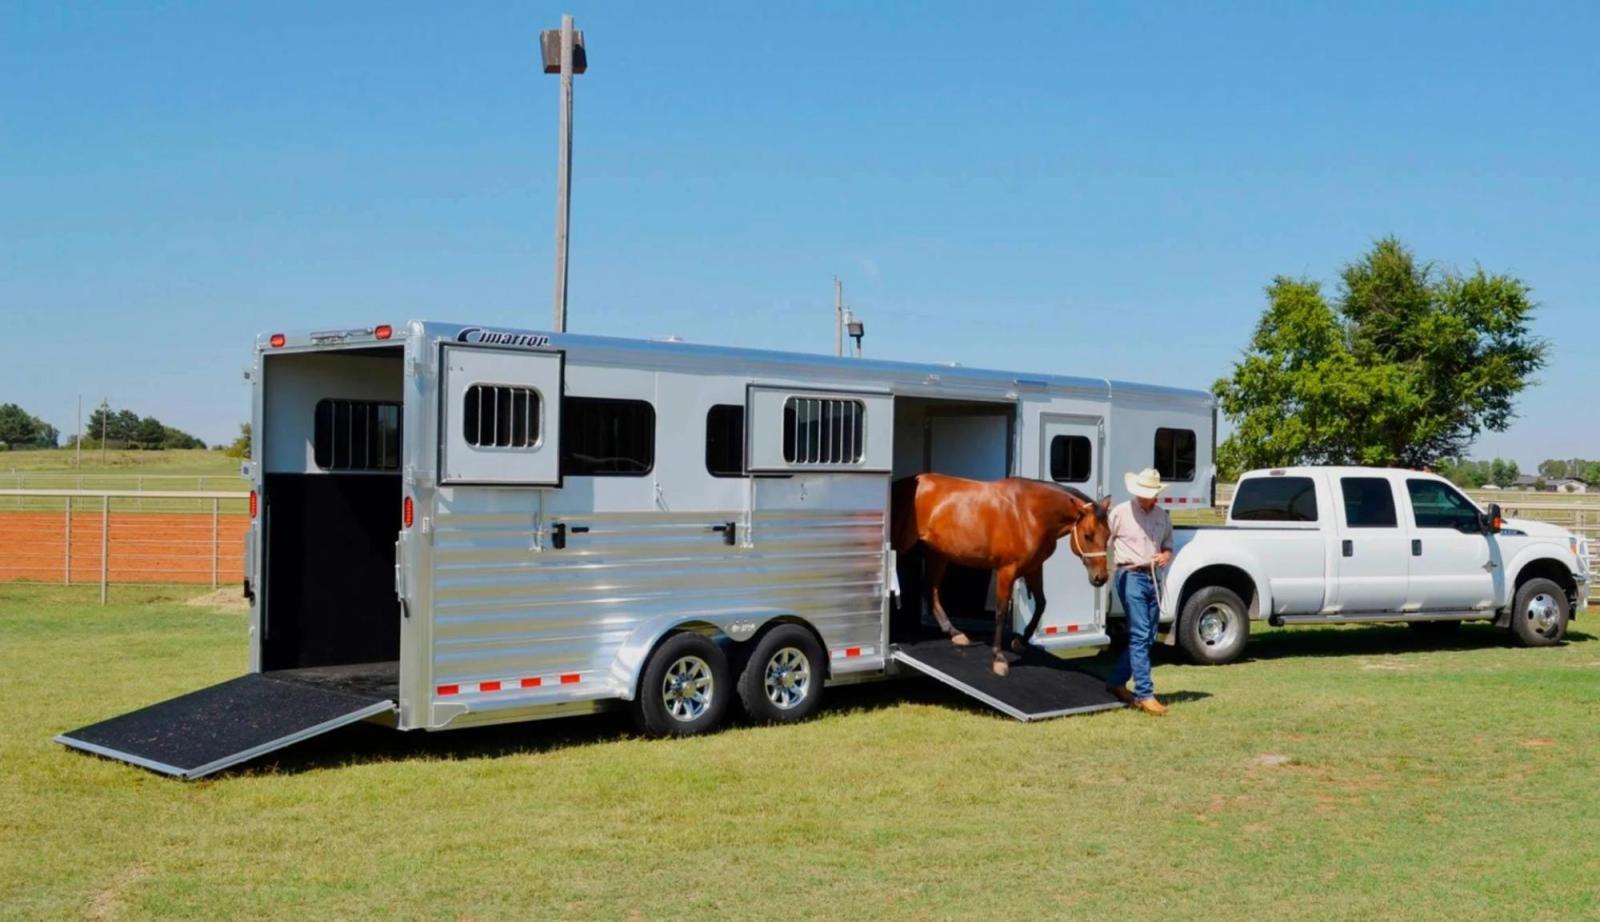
{"x": 563, "y": 53}
{"x": 838, "y": 317}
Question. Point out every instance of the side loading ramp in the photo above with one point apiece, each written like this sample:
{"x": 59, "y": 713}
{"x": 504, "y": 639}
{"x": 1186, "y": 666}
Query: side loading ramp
{"x": 1040, "y": 686}
{"x": 214, "y": 728}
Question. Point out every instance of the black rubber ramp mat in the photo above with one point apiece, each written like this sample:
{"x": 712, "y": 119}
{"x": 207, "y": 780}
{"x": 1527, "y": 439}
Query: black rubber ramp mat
{"x": 213, "y": 728}
{"x": 1038, "y": 687}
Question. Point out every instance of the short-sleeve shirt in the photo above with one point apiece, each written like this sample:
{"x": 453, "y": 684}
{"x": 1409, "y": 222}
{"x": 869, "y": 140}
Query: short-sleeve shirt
{"x": 1138, "y": 536}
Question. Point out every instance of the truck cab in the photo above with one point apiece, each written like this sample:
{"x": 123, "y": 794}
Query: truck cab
{"x": 1332, "y": 545}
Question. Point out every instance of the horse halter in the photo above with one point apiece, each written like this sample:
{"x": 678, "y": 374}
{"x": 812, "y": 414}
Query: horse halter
{"x": 1078, "y": 548}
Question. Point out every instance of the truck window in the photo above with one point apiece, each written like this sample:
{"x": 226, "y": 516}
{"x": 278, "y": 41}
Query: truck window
{"x": 1175, "y": 453}
{"x": 356, "y": 435}
{"x": 1275, "y": 499}
{"x": 1368, "y": 502}
{"x": 1434, "y": 504}
{"x": 603, "y": 437}
{"x": 725, "y": 440}
{"x": 1070, "y": 459}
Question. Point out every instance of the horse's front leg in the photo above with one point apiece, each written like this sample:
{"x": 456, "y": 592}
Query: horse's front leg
{"x": 1004, "y": 577}
{"x": 1035, "y": 584}
{"x": 936, "y": 568}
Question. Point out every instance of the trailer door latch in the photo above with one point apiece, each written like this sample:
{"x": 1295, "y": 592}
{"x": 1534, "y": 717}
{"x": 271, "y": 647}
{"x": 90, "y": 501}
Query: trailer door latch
{"x": 730, "y": 532}
{"x": 558, "y": 535}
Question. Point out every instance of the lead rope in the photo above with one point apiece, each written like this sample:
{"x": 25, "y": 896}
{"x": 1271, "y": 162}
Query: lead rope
{"x": 1155, "y": 581}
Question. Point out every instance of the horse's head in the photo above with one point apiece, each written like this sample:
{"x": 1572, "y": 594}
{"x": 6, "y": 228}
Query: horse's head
{"x": 1091, "y": 534}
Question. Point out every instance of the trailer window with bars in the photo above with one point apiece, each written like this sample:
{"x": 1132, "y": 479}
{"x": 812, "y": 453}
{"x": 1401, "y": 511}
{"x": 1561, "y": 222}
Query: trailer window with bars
{"x": 1070, "y": 459}
{"x": 822, "y": 430}
{"x": 500, "y": 416}
{"x": 356, "y": 435}
{"x": 1175, "y": 454}
{"x": 605, "y": 437}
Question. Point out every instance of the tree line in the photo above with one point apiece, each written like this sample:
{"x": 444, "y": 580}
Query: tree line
{"x": 20, "y": 429}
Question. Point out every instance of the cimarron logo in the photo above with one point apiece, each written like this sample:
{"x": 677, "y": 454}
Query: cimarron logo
{"x": 482, "y": 337}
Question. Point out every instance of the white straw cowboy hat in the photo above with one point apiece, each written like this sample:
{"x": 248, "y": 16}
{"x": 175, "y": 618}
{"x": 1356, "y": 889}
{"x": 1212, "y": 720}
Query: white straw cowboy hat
{"x": 1146, "y": 484}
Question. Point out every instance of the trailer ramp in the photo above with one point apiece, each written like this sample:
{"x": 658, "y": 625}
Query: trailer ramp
{"x": 211, "y": 729}
{"x": 1039, "y": 686}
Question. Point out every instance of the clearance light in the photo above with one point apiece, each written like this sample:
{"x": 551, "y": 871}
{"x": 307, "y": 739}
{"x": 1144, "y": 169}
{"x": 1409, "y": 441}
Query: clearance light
{"x": 408, "y": 513}
{"x": 382, "y": 331}
{"x": 277, "y": 340}
{"x": 252, "y": 504}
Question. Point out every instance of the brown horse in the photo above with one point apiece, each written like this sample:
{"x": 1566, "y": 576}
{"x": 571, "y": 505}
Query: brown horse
{"x": 1009, "y": 526}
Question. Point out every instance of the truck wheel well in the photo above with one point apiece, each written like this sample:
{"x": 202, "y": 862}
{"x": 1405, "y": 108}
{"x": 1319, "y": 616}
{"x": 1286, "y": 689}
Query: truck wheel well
{"x": 1553, "y": 570}
{"x": 1221, "y": 574}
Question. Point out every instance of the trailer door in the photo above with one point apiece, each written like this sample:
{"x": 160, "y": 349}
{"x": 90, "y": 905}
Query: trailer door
{"x": 501, "y": 419}
{"x": 810, "y": 429}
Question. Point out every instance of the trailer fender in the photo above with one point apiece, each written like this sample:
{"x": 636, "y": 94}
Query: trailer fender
{"x": 734, "y": 627}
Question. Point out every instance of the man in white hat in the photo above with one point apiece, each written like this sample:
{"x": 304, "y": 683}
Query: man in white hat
{"x": 1141, "y": 542}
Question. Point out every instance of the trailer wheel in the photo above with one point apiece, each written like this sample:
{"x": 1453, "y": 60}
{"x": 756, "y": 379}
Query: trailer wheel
{"x": 1539, "y": 614}
{"x": 685, "y": 688}
{"x": 782, "y": 681}
{"x": 1213, "y": 626}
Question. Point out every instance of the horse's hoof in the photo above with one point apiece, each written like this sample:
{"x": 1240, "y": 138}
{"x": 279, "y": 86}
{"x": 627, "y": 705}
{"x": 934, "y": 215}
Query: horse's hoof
{"x": 960, "y": 639}
{"x": 1018, "y": 646}
{"x": 1001, "y": 668}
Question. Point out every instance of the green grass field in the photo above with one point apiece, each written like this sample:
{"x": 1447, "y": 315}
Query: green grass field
{"x": 185, "y": 462}
{"x": 1337, "y": 774}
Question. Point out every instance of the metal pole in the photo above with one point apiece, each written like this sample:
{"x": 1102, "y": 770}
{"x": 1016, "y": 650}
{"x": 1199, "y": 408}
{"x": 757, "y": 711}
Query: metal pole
{"x": 105, "y": 544}
{"x": 838, "y": 317}
{"x": 564, "y": 174}
{"x": 66, "y": 577}
{"x": 214, "y": 502}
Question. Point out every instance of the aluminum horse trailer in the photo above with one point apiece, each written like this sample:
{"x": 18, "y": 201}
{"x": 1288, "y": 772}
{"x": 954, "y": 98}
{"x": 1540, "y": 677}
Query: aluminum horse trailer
{"x": 462, "y": 525}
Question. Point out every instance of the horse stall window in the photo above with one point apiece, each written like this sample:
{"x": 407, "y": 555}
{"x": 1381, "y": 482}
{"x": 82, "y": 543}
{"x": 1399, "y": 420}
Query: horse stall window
{"x": 822, "y": 430}
{"x": 1175, "y": 454}
{"x": 356, "y": 435}
{"x": 1070, "y": 459}
{"x": 725, "y": 440}
{"x": 604, "y": 437}
{"x": 500, "y": 416}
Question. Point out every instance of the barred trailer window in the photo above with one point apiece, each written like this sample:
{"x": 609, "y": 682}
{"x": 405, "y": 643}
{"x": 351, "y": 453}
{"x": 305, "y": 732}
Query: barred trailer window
{"x": 356, "y": 435}
{"x": 823, "y": 430}
{"x": 500, "y": 416}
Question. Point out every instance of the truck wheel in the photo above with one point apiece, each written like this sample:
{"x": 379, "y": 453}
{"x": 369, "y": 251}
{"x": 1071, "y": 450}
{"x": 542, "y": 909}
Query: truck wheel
{"x": 782, "y": 682}
{"x": 1539, "y": 614}
{"x": 1213, "y": 627}
{"x": 685, "y": 688}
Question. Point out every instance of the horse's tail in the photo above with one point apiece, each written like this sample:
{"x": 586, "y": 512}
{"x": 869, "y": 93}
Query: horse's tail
{"x": 903, "y": 514}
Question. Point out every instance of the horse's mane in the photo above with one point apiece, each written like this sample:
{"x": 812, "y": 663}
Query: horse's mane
{"x": 1074, "y": 492}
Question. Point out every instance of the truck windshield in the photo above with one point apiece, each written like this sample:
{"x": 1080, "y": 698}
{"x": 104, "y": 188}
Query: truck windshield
{"x": 1275, "y": 499}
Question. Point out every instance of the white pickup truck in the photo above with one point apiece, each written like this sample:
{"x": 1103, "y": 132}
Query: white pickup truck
{"x": 1332, "y": 545}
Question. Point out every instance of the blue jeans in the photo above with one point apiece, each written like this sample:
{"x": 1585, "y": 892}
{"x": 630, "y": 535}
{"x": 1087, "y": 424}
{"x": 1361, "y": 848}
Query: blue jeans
{"x": 1138, "y": 595}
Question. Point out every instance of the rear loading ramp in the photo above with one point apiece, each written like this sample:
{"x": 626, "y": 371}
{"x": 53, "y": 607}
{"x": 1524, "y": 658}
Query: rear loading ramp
{"x": 206, "y": 731}
{"x": 1039, "y": 686}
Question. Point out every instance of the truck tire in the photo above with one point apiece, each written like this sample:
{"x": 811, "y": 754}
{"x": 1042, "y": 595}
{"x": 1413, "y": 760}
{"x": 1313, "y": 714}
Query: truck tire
{"x": 782, "y": 680}
{"x": 1539, "y": 614}
{"x": 685, "y": 688}
{"x": 1213, "y": 626}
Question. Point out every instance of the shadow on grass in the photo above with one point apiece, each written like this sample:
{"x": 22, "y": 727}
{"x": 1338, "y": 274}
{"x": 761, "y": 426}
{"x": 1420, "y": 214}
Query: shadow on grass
{"x": 1376, "y": 640}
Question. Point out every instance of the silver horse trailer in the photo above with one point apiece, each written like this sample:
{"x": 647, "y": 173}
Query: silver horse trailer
{"x": 459, "y": 525}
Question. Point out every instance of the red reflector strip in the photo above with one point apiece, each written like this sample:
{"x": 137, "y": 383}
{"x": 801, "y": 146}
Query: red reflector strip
{"x": 1051, "y": 629}
{"x": 491, "y": 686}
{"x": 533, "y": 682}
{"x": 408, "y": 512}
{"x": 852, "y": 651}
{"x": 449, "y": 689}
{"x": 1072, "y": 629}
{"x": 488, "y": 686}
{"x": 570, "y": 678}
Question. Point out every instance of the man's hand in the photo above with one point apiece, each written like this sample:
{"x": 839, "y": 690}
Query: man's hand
{"x": 1163, "y": 558}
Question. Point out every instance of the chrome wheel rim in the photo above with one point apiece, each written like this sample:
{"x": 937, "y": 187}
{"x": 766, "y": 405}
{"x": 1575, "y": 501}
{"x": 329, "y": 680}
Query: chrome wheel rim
{"x": 1544, "y": 613}
{"x": 788, "y": 678}
{"x": 687, "y": 688}
{"x": 1214, "y": 623}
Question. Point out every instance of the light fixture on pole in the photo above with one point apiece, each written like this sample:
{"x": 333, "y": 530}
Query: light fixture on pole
{"x": 563, "y": 53}
{"x": 855, "y": 328}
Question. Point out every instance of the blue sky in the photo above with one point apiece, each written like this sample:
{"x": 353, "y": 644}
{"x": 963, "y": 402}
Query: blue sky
{"x": 1097, "y": 189}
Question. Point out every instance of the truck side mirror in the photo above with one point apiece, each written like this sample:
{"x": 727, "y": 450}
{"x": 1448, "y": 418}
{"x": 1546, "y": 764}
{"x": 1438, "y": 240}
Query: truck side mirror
{"x": 1494, "y": 521}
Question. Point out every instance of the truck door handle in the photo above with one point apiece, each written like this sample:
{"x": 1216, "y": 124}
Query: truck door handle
{"x": 1349, "y": 548}
{"x": 730, "y": 532}
{"x": 1416, "y": 547}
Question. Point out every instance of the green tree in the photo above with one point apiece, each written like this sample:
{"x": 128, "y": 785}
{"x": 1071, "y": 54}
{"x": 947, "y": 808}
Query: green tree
{"x": 21, "y": 429}
{"x": 241, "y": 445}
{"x": 149, "y": 433}
{"x": 1503, "y": 473}
{"x": 1406, "y": 367}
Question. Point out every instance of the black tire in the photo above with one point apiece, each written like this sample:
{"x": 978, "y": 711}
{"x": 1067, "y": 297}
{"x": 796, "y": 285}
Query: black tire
{"x": 798, "y": 667}
{"x": 666, "y": 703}
{"x": 1539, "y": 614}
{"x": 1203, "y": 640}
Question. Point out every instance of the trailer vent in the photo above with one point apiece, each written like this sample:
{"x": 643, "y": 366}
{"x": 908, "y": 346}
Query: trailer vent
{"x": 822, "y": 430}
{"x": 357, "y": 435}
{"x": 499, "y": 416}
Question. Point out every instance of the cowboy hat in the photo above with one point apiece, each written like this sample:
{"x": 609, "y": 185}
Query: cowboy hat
{"x": 1146, "y": 484}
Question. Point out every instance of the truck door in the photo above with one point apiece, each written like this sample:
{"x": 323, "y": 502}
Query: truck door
{"x": 1373, "y": 563}
{"x": 501, "y": 419}
{"x": 1453, "y": 563}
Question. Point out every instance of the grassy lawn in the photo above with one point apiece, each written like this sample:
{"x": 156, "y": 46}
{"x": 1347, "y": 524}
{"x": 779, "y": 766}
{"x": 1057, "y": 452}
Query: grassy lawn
{"x": 122, "y": 464}
{"x": 1338, "y": 774}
